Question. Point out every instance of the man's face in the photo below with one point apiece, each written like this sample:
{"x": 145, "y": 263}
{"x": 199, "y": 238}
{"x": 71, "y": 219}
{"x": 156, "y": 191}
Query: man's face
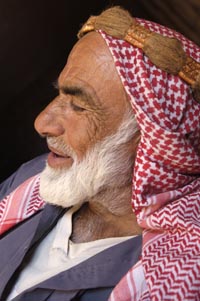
{"x": 90, "y": 105}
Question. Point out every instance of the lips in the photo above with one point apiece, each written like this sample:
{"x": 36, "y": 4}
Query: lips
{"x": 57, "y": 153}
{"x": 57, "y": 159}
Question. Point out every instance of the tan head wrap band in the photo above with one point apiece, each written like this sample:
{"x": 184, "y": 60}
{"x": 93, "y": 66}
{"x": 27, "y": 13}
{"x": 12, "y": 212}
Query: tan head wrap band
{"x": 164, "y": 52}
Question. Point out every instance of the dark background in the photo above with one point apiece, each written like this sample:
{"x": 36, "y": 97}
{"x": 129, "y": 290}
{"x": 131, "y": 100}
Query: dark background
{"x": 36, "y": 37}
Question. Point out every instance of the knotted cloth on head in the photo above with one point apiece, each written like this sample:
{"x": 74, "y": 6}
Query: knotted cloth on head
{"x": 166, "y": 182}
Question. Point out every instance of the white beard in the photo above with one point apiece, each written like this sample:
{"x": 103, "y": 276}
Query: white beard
{"x": 108, "y": 164}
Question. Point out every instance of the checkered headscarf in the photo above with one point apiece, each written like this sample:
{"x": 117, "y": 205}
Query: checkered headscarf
{"x": 166, "y": 182}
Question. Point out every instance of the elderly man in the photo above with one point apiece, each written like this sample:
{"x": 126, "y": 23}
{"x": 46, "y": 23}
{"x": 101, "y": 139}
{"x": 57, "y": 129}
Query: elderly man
{"x": 125, "y": 125}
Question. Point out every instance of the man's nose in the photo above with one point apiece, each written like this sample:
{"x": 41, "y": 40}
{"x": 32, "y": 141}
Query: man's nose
{"x": 48, "y": 123}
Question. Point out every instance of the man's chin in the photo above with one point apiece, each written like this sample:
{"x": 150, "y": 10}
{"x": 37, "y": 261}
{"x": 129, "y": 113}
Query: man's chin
{"x": 58, "y": 188}
{"x": 53, "y": 198}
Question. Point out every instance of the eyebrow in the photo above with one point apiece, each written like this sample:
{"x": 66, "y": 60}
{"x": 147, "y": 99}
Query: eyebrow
{"x": 76, "y": 90}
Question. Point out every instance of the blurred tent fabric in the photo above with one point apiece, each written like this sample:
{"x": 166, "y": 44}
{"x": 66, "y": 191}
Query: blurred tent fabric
{"x": 36, "y": 37}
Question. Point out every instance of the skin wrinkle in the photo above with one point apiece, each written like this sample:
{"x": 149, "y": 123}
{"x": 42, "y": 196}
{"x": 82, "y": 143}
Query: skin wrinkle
{"x": 82, "y": 94}
{"x": 84, "y": 231}
{"x": 98, "y": 118}
{"x": 91, "y": 99}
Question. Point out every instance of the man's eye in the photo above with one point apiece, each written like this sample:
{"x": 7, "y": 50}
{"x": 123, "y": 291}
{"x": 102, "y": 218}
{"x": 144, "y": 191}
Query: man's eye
{"x": 76, "y": 107}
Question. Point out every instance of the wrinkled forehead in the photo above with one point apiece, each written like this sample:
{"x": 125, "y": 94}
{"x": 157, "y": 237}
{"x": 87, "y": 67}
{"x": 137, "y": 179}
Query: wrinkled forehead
{"x": 93, "y": 46}
{"x": 90, "y": 58}
{"x": 90, "y": 68}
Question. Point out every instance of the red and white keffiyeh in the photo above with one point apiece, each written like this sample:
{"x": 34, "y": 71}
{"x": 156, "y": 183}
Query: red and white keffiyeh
{"x": 166, "y": 182}
{"x": 20, "y": 204}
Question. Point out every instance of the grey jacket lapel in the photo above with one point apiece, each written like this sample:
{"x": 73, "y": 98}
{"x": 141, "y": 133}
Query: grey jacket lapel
{"x": 103, "y": 270}
{"x": 14, "y": 246}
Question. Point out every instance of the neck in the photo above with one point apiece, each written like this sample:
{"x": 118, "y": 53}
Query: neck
{"x": 108, "y": 214}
